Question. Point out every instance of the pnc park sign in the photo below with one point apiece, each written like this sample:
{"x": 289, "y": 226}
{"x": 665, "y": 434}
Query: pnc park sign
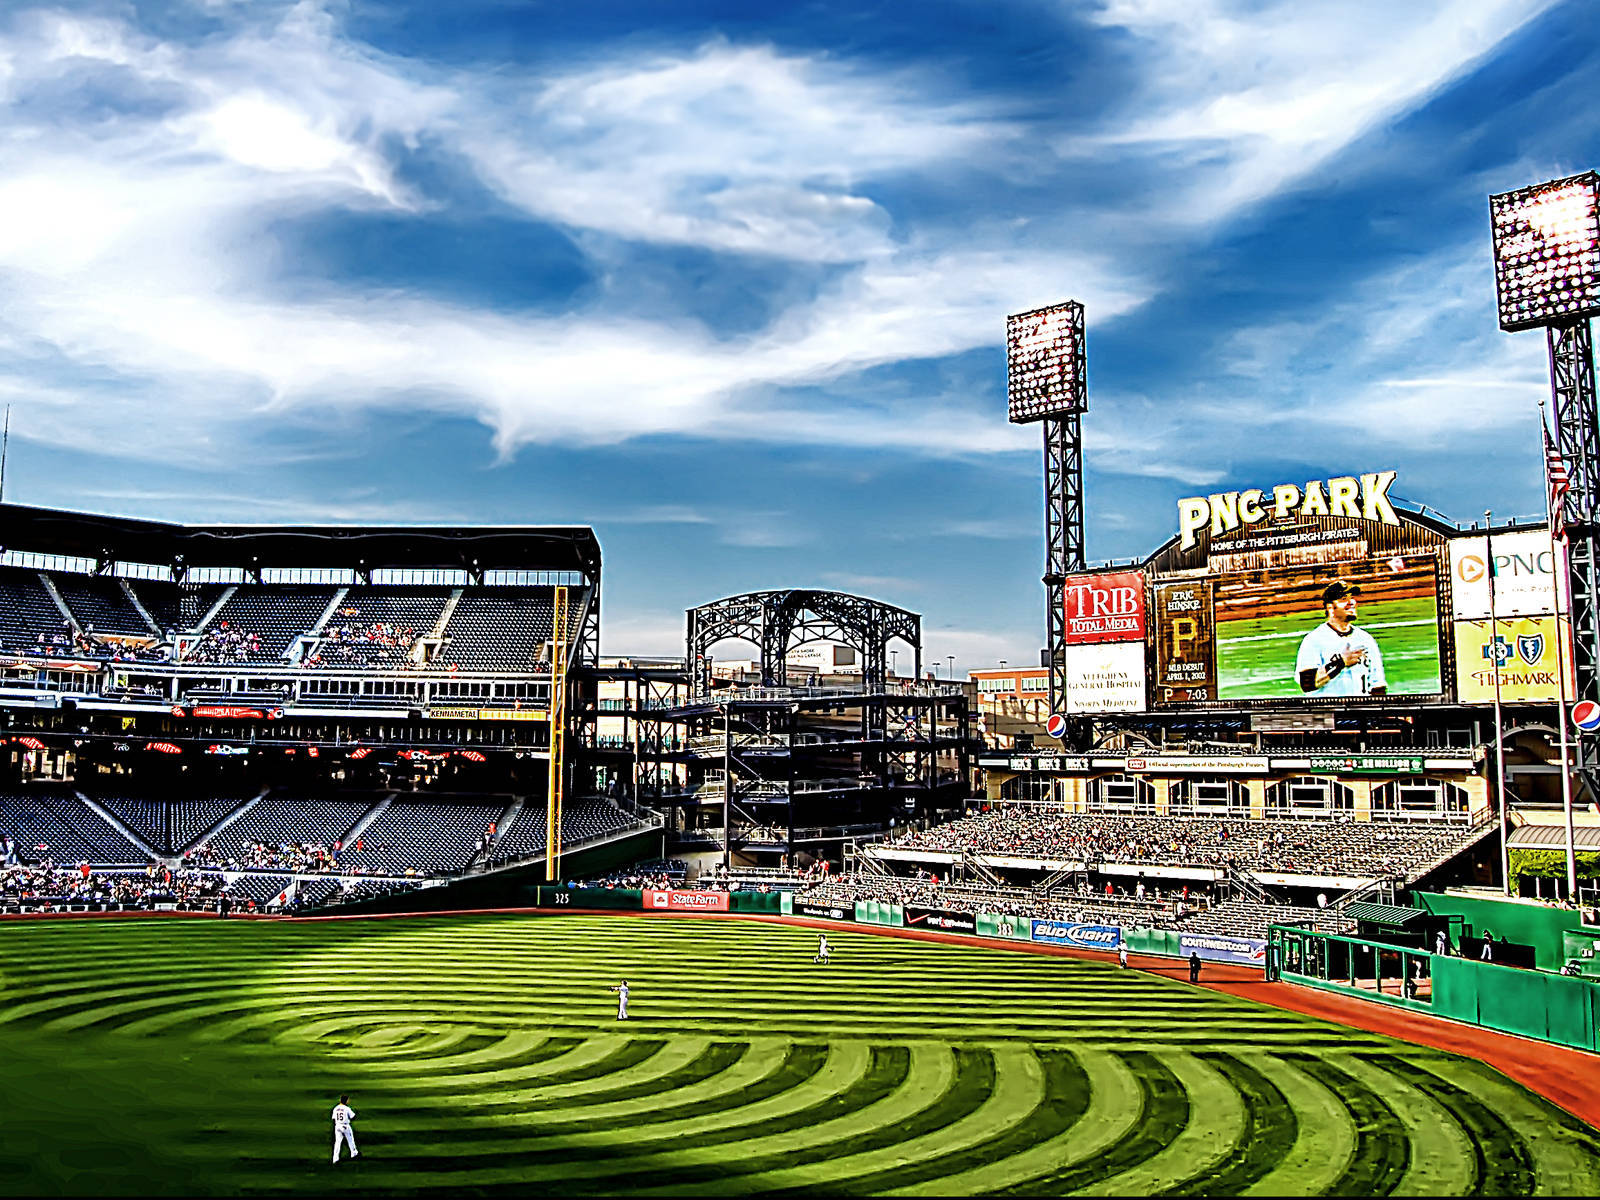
{"x": 1364, "y": 497}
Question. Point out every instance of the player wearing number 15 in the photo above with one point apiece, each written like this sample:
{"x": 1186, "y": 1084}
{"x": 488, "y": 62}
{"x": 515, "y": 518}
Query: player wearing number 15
{"x": 1336, "y": 658}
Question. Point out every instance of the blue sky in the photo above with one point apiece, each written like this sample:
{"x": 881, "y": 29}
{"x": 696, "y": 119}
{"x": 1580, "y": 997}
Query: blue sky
{"x": 728, "y": 281}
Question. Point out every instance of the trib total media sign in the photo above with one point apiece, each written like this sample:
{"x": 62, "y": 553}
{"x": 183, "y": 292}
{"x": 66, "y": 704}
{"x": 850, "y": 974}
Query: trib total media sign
{"x": 1104, "y": 608}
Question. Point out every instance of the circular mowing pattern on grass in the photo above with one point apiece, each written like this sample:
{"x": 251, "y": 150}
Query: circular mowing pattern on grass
{"x": 483, "y": 1053}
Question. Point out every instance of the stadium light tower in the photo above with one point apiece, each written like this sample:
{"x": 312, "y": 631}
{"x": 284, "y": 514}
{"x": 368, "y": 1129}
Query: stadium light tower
{"x": 1547, "y": 275}
{"x": 1046, "y": 380}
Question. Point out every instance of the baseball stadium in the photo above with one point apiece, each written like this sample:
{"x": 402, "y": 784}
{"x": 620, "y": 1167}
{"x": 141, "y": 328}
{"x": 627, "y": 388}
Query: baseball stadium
{"x": 1275, "y": 876}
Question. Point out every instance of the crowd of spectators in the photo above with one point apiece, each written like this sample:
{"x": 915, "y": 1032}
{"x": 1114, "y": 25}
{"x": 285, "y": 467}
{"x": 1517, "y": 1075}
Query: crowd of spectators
{"x": 660, "y": 875}
{"x": 1325, "y": 847}
{"x": 70, "y": 643}
{"x": 47, "y": 887}
{"x": 225, "y": 643}
{"x": 363, "y": 645}
{"x": 302, "y": 858}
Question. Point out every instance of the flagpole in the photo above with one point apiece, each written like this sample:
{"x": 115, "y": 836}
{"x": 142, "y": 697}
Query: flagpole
{"x": 1558, "y": 573}
{"x": 1499, "y": 725}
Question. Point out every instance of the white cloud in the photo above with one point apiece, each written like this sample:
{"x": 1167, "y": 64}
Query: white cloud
{"x": 139, "y": 250}
{"x": 1242, "y": 98}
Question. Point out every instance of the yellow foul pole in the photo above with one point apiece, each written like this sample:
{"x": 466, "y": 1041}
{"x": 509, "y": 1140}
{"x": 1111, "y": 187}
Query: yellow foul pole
{"x": 558, "y": 735}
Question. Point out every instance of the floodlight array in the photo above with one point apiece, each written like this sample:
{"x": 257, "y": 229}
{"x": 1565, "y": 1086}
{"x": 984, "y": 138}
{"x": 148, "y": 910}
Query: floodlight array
{"x": 1547, "y": 252}
{"x": 1045, "y": 362}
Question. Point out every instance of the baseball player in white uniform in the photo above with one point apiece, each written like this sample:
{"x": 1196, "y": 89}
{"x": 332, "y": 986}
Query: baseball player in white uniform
{"x": 343, "y": 1115}
{"x": 1336, "y": 658}
{"x": 622, "y": 1000}
{"x": 822, "y": 949}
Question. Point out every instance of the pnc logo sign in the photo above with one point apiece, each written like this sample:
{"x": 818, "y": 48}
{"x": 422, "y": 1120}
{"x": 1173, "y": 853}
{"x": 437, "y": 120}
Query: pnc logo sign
{"x": 1471, "y": 568}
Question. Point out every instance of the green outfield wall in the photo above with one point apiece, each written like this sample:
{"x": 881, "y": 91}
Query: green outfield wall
{"x": 1533, "y": 925}
{"x": 1538, "y": 1004}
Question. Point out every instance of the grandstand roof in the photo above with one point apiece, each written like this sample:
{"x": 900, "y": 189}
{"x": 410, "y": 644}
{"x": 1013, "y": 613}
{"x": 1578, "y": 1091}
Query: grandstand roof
{"x": 472, "y": 547}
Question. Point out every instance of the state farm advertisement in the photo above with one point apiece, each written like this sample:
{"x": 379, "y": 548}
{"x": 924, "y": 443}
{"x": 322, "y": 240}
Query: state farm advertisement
{"x": 687, "y": 901}
{"x": 1104, "y": 608}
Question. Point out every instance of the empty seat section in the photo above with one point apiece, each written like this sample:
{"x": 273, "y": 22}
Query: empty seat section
{"x": 421, "y": 836}
{"x": 282, "y": 821}
{"x": 176, "y": 607}
{"x": 580, "y": 821}
{"x": 500, "y": 629}
{"x": 257, "y": 624}
{"x": 375, "y": 626}
{"x": 27, "y": 613}
{"x": 191, "y": 818}
{"x": 147, "y": 818}
{"x": 100, "y": 605}
{"x": 58, "y": 825}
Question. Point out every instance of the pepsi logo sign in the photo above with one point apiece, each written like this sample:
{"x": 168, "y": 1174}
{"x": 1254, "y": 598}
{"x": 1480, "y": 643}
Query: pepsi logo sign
{"x": 1586, "y": 715}
{"x": 1056, "y": 725}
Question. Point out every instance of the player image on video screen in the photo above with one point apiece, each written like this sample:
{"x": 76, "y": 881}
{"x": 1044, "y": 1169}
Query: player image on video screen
{"x": 1337, "y": 658}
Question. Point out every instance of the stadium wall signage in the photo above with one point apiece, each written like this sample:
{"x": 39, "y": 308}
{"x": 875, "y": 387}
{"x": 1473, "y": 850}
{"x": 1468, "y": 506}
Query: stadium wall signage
{"x": 1065, "y": 933}
{"x": 1107, "y": 607}
{"x": 228, "y": 712}
{"x": 687, "y": 901}
{"x": 1530, "y": 659}
{"x": 828, "y": 912}
{"x": 1360, "y": 498}
{"x": 1525, "y": 576}
{"x": 1209, "y": 763}
{"x": 1222, "y": 948}
{"x": 947, "y": 919}
{"x": 1369, "y": 764}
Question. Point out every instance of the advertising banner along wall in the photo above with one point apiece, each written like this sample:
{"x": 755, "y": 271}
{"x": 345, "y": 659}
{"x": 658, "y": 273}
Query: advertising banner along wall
{"x": 948, "y": 920}
{"x": 687, "y": 901}
{"x": 1220, "y": 947}
{"x": 1070, "y": 933}
{"x": 828, "y": 912}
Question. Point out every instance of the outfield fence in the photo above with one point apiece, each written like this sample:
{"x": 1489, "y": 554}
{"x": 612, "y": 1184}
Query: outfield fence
{"x": 1001, "y": 927}
{"x": 1564, "y": 1009}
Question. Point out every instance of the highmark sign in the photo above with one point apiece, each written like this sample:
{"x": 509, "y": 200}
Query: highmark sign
{"x": 1364, "y": 497}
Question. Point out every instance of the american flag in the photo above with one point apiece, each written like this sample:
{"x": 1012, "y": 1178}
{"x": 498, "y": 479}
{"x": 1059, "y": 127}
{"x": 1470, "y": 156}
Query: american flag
{"x": 1558, "y": 485}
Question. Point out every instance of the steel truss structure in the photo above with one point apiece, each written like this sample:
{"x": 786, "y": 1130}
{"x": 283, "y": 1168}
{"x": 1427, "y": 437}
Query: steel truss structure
{"x": 765, "y": 772}
{"x": 1572, "y": 388}
{"x": 1063, "y": 531}
{"x": 777, "y": 622}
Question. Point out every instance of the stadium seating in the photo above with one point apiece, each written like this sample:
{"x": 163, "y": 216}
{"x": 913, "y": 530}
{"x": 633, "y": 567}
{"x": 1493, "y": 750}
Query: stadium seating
{"x": 284, "y": 821}
{"x": 170, "y": 826}
{"x": 1335, "y": 848}
{"x": 27, "y": 613}
{"x": 581, "y": 820}
{"x": 52, "y": 823}
{"x": 421, "y": 836}
{"x": 492, "y": 630}
{"x": 259, "y": 623}
{"x": 100, "y": 604}
{"x": 377, "y": 627}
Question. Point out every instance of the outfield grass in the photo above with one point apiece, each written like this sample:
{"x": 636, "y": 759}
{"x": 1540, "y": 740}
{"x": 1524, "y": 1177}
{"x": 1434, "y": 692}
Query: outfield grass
{"x": 1256, "y": 657}
{"x": 483, "y": 1054}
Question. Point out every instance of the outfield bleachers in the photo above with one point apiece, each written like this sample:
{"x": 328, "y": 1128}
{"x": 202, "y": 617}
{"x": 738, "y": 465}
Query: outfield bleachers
{"x": 581, "y": 820}
{"x": 424, "y": 837}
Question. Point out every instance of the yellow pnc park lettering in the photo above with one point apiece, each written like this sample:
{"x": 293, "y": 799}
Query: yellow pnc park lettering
{"x": 1365, "y": 497}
